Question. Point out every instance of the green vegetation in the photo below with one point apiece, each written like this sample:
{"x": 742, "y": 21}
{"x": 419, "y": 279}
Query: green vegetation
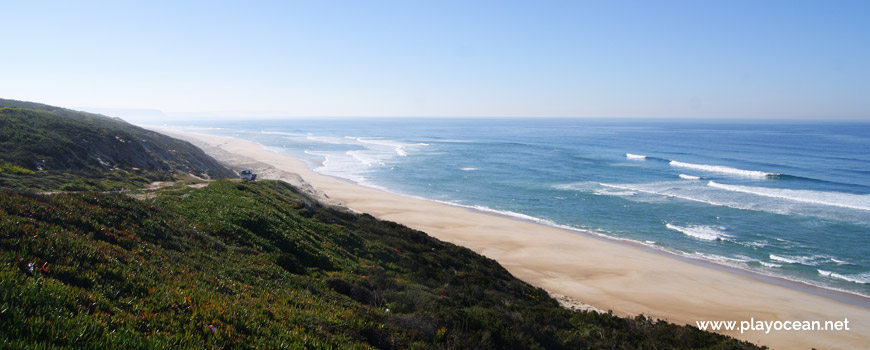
{"x": 14, "y": 169}
{"x": 260, "y": 265}
{"x": 47, "y": 148}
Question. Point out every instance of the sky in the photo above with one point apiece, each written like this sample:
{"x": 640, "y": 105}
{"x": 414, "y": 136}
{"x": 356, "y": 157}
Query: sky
{"x": 673, "y": 59}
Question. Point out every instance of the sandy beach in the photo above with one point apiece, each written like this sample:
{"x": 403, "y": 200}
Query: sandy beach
{"x": 605, "y": 274}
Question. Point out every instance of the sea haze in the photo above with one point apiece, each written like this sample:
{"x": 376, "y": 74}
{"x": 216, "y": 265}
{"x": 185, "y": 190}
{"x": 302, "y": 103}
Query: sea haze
{"x": 790, "y": 200}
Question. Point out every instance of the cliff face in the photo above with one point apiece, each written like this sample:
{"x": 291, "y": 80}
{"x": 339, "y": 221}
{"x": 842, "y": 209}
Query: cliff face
{"x": 51, "y": 141}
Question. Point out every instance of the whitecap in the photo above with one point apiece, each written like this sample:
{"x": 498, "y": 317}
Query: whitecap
{"x": 839, "y": 262}
{"x": 771, "y": 265}
{"x": 614, "y": 193}
{"x": 707, "y": 233}
{"x": 789, "y": 260}
{"x": 278, "y": 133}
{"x": 796, "y": 259}
{"x": 721, "y": 169}
{"x": 836, "y": 199}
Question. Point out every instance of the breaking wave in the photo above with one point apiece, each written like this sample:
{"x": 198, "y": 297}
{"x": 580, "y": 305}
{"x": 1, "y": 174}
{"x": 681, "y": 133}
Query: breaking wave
{"x": 813, "y": 260}
{"x": 862, "y": 278}
{"x": 722, "y": 169}
{"x": 707, "y": 233}
{"x": 771, "y": 265}
{"x": 837, "y": 199}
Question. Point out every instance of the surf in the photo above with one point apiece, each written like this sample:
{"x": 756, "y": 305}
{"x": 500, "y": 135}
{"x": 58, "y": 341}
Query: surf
{"x": 836, "y": 199}
{"x": 723, "y": 170}
{"x": 707, "y": 233}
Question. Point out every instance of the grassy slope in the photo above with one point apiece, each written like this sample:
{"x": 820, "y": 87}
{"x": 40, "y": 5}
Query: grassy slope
{"x": 47, "y": 148}
{"x": 233, "y": 265}
{"x": 258, "y": 265}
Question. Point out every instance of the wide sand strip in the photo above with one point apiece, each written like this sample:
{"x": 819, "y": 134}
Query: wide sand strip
{"x": 606, "y": 274}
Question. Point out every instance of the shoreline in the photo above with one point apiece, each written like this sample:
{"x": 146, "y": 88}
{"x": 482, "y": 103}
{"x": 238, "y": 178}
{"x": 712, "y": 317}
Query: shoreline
{"x": 840, "y": 295}
{"x": 843, "y": 296}
{"x": 610, "y": 274}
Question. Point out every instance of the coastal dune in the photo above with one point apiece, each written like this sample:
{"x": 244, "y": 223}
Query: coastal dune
{"x": 608, "y": 275}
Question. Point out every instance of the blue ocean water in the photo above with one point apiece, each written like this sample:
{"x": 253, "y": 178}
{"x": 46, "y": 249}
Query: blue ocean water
{"x": 784, "y": 199}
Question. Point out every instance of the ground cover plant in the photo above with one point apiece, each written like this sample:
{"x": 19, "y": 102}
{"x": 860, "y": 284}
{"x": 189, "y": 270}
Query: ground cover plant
{"x": 91, "y": 258}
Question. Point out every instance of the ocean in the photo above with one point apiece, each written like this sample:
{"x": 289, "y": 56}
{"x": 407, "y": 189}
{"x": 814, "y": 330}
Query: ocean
{"x": 781, "y": 199}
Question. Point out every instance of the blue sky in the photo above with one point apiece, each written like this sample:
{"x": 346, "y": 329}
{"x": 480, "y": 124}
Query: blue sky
{"x": 685, "y": 59}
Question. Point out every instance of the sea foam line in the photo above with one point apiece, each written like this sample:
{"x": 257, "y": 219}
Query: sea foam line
{"x": 739, "y": 263}
{"x": 279, "y": 133}
{"x": 635, "y": 156}
{"x": 813, "y": 260}
{"x": 397, "y": 146}
{"x": 666, "y": 194}
{"x": 770, "y": 265}
{"x": 862, "y": 278}
{"x": 836, "y": 199}
{"x": 722, "y": 169}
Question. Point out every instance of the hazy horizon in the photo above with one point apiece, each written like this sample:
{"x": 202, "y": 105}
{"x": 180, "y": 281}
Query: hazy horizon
{"x": 793, "y": 60}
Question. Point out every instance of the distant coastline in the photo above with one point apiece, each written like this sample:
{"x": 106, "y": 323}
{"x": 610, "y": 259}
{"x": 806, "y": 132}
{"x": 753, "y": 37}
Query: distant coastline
{"x": 528, "y": 259}
{"x": 745, "y": 209}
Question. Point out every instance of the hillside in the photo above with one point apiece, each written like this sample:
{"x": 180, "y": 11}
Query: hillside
{"x": 225, "y": 264}
{"x": 46, "y": 148}
{"x": 260, "y": 265}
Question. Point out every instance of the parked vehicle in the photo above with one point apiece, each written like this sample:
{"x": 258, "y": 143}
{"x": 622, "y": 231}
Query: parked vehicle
{"x": 248, "y": 175}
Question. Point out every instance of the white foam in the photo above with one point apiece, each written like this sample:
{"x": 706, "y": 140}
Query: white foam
{"x": 278, "y": 133}
{"x": 670, "y": 192}
{"x": 804, "y": 260}
{"x": 839, "y": 262}
{"x": 738, "y": 261}
{"x": 702, "y": 192}
{"x": 614, "y": 193}
{"x": 576, "y": 186}
{"x": 771, "y": 265}
{"x": 721, "y": 169}
{"x": 398, "y": 147}
{"x": 329, "y": 140}
{"x": 754, "y": 244}
{"x": 789, "y": 260}
{"x": 365, "y": 158}
{"x": 538, "y": 221}
{"x": 689, "y": 177}
{"x": 365, "y": 155}
{"x": 836, "y": 199}
{"x": 468, "y": 169}
{"x": 707, "y": 233}
{"x": 863, "y": 278}
{"x": 635, "y": 156}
